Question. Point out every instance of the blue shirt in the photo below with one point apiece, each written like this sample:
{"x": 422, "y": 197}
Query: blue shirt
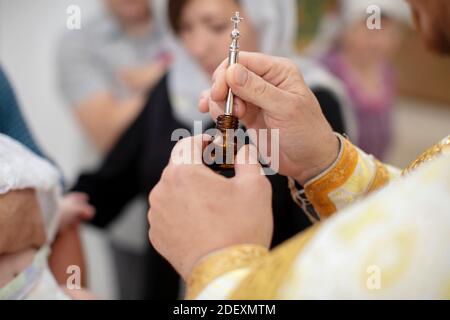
{"x": 12, "y": 122}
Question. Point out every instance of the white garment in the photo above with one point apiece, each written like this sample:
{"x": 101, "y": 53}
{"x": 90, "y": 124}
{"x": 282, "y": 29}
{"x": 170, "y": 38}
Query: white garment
{"x": 393, "y": 244}
{"x": 36, "y": 282}
{"x": 22, "y": 169}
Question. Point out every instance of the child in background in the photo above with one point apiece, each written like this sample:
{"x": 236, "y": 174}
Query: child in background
{"x": 362, "y": 59}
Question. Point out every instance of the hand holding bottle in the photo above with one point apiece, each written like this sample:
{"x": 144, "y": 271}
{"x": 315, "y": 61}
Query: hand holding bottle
{"x": 273, "y": 95}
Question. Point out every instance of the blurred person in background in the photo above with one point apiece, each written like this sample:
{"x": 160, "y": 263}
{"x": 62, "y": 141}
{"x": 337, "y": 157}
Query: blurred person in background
{"x": 362, "y": 59}
{"x": 136, "y": 163}
{"x": 105, "y": 72}
{"x": 107, "y": 68}
{"x": 12, "y": 122}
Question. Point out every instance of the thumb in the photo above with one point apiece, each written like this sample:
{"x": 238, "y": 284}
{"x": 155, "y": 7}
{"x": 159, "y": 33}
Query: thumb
{"x": 190, "y": 150}
{"x": 254, "y": 89}
{"x": 247, "y": 162}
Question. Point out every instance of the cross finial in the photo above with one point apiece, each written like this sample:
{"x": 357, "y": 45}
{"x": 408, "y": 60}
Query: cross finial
{"x": 236, "y": 19}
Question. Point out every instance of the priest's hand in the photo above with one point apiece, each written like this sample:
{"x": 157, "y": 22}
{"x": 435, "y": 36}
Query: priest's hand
{"x": 194, "y": 211}
{"x": 273, "y": 95}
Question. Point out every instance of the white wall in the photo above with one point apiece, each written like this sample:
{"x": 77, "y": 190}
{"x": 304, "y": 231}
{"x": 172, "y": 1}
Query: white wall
{"x": 29, "y": 30}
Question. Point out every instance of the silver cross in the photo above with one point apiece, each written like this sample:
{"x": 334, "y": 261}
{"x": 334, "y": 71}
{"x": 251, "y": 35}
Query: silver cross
{"x": 233, "y": 58}
{"x": 236, "y": 20}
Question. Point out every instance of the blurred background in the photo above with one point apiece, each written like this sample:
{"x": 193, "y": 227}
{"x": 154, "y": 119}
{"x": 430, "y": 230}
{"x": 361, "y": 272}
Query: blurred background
{"x": 422, "y": 78}
{"x": 30, "y": 33}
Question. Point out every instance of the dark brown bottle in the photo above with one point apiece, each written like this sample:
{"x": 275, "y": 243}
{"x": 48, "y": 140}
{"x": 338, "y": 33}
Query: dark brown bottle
{"x": 227, "y": 124}
{"x": 225, "y": 159}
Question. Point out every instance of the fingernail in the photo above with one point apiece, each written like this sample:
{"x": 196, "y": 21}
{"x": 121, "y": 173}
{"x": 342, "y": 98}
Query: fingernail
{"x": 241, "y": 76}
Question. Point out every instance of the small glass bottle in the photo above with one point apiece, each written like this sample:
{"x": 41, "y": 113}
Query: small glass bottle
{"x": 227, "y": 124}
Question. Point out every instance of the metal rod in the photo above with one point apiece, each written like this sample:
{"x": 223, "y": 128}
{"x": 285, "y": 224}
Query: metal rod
{"x": 233, "y": 58}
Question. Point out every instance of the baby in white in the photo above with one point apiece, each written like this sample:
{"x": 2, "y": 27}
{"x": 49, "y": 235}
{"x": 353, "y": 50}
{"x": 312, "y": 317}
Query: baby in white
{"x": 26, "y": 274}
